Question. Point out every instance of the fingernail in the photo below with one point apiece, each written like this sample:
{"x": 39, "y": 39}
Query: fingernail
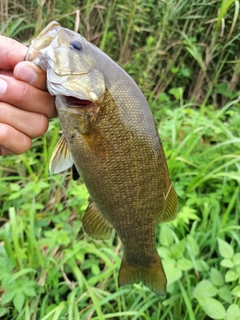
{"x": 3, "y": 86}
{"x": 27, "y": 75}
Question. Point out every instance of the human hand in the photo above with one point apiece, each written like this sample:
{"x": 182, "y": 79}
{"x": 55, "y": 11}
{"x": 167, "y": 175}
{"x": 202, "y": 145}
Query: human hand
{"x": 25, "y": 104}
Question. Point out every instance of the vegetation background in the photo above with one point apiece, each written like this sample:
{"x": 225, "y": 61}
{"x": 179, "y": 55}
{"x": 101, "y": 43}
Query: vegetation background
{"x": 185, "y": 56}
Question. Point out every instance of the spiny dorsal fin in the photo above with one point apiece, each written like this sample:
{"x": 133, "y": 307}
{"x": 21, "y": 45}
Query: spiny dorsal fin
{"x": 95, "y": 225}
{"x": 61, "y": 158}
{"x": 171, "y": 205}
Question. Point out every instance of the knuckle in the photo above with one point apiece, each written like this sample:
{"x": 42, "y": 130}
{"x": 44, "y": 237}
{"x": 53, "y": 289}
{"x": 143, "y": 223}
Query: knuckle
{"x": 13, "y": 140}
{"x": 6, "y": 134}
{"x": 25, "y": 93}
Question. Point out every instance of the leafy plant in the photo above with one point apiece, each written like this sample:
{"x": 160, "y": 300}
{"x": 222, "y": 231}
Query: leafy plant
{"x": 185, "y": 57}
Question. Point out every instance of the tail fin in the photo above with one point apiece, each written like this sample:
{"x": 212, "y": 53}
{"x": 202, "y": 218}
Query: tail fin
{"x": 152, "y": 276}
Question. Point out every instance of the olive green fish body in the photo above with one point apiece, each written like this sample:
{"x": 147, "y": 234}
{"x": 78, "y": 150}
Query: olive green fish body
{"x": 114, "y": 144}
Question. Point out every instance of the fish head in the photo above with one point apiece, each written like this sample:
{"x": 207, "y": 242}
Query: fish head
{"x": 70, "y": 63}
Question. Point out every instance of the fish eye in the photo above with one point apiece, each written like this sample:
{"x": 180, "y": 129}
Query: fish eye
{"x": 76, "y": 45}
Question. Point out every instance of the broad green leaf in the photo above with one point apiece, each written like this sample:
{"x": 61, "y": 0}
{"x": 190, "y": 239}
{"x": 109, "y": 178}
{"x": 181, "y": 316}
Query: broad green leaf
{"x": 203, "y": 289}
{"x": 18, "y": 300}
{"x": 236, "y": 291}
{"x": 14, "y": 195}
{"x": 172, "y": 273}
{"x": 23, "y": 272}
{"x": 231, "y": 276}
{"x": 95, "y": 269}
{"x": 166, "y": 237}
{"x": 7, "y": 297}
{"x": 238, "y": 269}
{"x": 225, "y": 249}
{"x": 213, "y": 308}
{"x": 216, "y": 277}
{"x": 193, "y": 245}
{"x": 163, "y": 252}
{"x": 5, "y": 278}
{"x": 29, "y": 291}
{"x": 185, "y": 215}
{"x": 184, "y": 264}
{"x": 236, "y": 259}
{"x": 43, "y": 184}
{"x": 225, "y": 294}
{"x": 233, "y": 312}
{"x": 3, "y": 312}
{"x": 178, "y": 248}
{"x": 14, "y": 187}
{"x": 29, "y": 206}
{"x": 227, "y": 263}
{"x": 176, "y": 92}
{"x": 202, "y": 265}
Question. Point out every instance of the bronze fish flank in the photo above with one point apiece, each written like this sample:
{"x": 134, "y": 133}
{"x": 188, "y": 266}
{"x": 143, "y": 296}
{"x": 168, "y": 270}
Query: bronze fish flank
{"x": 110, "y": 136}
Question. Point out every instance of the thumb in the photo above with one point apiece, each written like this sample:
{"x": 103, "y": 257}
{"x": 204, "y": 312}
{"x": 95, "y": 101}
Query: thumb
{"x": 30, "y": 73}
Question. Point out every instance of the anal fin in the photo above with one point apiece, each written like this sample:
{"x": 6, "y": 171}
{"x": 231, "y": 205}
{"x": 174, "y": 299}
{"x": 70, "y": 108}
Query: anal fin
{"x": 95, "y": 225}
{"x": 171, "y": 206}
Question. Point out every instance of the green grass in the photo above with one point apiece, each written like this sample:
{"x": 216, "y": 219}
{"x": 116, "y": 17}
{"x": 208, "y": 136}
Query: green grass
{"x": 185, "y": 57}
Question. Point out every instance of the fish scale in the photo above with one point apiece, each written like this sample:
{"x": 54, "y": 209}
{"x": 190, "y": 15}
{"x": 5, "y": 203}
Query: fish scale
{"x": 110, "y": 136}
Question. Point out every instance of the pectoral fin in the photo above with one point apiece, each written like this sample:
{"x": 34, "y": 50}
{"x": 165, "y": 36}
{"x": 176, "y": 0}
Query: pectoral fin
{"x": 95, "y": 225}
{"x": 171, "y": 206}
{"x": 61, "y": 158}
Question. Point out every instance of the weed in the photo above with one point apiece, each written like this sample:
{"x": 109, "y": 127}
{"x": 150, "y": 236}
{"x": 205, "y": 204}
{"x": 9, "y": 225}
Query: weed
{"x": 185, "y": 57}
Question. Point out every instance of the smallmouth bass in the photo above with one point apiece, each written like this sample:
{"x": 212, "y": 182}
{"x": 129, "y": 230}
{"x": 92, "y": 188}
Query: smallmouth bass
{"x": 110, "y": 137}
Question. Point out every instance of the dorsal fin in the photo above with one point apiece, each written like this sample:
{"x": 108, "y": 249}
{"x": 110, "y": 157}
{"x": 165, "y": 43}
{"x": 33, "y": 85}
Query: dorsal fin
{"x": 171, "y": 206}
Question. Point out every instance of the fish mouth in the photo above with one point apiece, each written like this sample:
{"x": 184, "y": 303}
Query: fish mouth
{"x": 86, "y": 107}
{"x": 75, "y": 102}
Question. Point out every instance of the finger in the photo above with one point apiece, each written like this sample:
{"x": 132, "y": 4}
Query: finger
{"x": 8, "y": 138}
{"x": 30, "y": 73}
{"x": 26, "y": 97}
{"x": 11, "y": 52}
{"x": 5, "y": 152}
{"x": 29, "y": 123}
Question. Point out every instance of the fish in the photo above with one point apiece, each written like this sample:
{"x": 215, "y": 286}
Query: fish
{"x": 111, "y": 140}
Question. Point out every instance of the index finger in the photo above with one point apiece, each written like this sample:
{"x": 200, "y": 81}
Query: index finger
{"x": 11, "y": 52}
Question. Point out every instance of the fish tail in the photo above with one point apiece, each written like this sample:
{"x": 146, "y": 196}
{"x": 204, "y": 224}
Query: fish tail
{"x": 152, "y": 275}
